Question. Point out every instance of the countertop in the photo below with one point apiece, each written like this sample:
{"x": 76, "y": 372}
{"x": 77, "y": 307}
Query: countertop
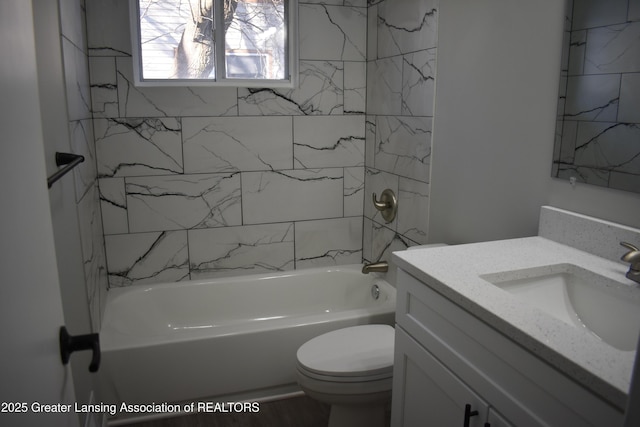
{"x": 454, "y": 271}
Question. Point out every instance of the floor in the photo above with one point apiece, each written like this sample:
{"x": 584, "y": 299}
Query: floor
{"x": 294, "y": 412}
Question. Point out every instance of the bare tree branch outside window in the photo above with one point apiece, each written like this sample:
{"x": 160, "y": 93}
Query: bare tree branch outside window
{"x": 177, "y": 39}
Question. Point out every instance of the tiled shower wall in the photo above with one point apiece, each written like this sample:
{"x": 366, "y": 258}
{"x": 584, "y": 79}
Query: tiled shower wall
{"x": 401, "y": 59}
{"x": 76, "y": 74}
{"x": 600, "y": 111}
{"x": 209, "y": 182}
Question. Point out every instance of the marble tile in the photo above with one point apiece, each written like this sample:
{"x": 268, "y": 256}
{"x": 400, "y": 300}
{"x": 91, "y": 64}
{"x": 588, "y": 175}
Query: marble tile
{"x": 320, "y": 92}
{"x": 76, "y": 74}
{"x": 381, "y": 240}
{"x": 229, "y": 144}
{"x": 384, "y": 86}
{"x": 562, "y": 97}
{"x": 578, "y": 43}
{"x": 133, "y": 147}
{"x": 353, "y": 191}
{"x": 370, "y": 140}
{"x": 592, "y": 97}
{"x": 385, "y": 241}
{"x": 376, "y": 181}
{"x": 343, "y": 32}
{"x": 183, "y": 202}
{"x": 367, "y": 239}
{"x": 72, "y": 22}
{"x": 233, "y": 251}
{"x": 582, "y": 174}
{"x": 328, "y": 242}
{"x": 413, "y": 210}
{"x": 355, "y": 87}
{"x": 113, "y": 204}
{"x": 557, "y": 146}
{"x": 104, "y": 87}
{"x": 568, "y": 148}
{"x": 147, "y": 258}
{"x": 104, "y": 17}
{"x": 568, "y": 16}
{"x": 406, "y": 26}
{"x": 418, "y": 83}
{"x": 624, "y": 181}
{"x": 634, "y": 10}
{"x": 356, "y": 3}
{"x": 613, "y": 49}
{"x": 629, "y": 108}
{"x": 328, "y": 141}
{"x": 293, "y": 195}
{"x": 93, "y": 255}
{"x": 372, "y": 32}
{"x": 171, "y": 101}
{"x": 564, "y": 56}
{"x": 598, "y": 13}
{"x": 81, "y": 134}
{"x": 403, "y": 146}
{"x": 608, "y": 146}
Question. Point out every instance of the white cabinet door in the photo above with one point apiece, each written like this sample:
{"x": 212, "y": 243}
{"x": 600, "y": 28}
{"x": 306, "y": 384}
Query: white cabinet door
{"x": 426, "y": 393}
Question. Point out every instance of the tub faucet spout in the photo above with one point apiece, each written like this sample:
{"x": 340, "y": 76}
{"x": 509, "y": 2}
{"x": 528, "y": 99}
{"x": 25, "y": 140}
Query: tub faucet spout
{"x": 377, "y": 267}
{"x": 633, "y": 258}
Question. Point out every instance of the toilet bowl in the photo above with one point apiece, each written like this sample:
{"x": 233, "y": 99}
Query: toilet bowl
{"x": 350, "y": 369}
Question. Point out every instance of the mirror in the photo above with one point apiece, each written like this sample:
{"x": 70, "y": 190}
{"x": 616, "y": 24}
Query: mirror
{"x": 598, "y": 128}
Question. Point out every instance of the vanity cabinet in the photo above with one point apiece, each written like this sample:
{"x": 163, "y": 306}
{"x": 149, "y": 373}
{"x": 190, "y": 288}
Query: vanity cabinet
{"x": 452, "y": 369}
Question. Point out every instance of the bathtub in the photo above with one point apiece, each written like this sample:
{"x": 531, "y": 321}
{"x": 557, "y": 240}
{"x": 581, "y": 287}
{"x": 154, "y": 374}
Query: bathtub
{"x": 230, "y": 338}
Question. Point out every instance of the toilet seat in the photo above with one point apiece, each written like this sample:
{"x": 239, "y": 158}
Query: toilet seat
{"x": 355, "y": 354}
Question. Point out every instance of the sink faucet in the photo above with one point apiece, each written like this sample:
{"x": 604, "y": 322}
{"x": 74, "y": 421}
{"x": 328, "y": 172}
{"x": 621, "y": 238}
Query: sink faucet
{"x": 633, "y": 258}
{"x": 378, "y": 267}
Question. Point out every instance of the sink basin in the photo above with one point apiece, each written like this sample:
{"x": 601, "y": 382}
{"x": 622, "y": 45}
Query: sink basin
{"x": 603, "y": 307}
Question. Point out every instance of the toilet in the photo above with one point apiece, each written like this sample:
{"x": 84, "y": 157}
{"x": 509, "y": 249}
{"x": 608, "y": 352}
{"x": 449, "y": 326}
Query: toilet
{"x": 351, "y": 369}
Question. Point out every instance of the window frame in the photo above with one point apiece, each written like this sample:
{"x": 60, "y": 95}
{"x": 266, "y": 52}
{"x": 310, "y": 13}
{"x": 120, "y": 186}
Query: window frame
{"x": 291, "y": 8}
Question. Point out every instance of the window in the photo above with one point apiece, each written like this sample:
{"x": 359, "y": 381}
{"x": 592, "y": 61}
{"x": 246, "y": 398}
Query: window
{"x": 250, "y": 43}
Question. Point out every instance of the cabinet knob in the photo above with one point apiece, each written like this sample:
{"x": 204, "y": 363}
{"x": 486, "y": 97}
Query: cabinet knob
{"x": 468, "y": 413}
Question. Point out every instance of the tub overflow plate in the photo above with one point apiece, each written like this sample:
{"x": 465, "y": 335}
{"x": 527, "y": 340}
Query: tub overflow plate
{"x": 375, "y": 292}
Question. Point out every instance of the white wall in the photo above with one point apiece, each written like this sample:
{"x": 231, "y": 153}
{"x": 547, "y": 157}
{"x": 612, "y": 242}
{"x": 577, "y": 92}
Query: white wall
{"x": 30, "y": 302}
{"x": 497, "y": 79}
{"x": 496, "y": 96}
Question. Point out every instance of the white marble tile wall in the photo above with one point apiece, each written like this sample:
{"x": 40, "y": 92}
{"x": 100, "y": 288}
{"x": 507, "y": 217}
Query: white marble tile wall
{"x": 401, "y": 59}
{"x": 228, "y": 251}
{"x": 212, "y": 182}
{"x": 78, "y": 94}
{"x": 602, "y": 95}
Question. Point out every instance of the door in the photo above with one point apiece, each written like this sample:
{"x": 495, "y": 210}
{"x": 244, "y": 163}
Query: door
{"x": 31, "y": 372}
{"x": 426, "y": 393}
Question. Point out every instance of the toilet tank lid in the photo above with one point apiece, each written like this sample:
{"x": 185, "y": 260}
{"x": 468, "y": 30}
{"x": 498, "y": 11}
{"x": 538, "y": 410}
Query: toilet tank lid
{"x": 354, "y": 351}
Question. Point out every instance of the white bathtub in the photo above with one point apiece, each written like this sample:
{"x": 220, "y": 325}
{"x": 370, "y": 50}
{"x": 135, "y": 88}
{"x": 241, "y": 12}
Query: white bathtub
{"x": 227, "y": 338}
